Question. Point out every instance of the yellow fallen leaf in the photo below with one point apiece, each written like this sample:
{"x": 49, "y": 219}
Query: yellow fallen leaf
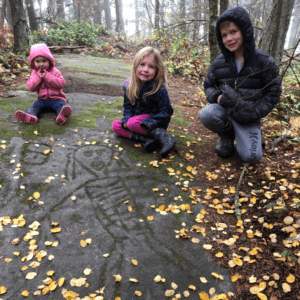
{"x": 55, "y": 230}
{"x": 133, "y": 280}
{"x": 262, "y": 296}
{"x": 134, "y": 262}
{"x": 203, "y": 280}
{"x": 219, "y": 254}
{"x": 150, "y": 218}
{"x": 138, "y": 293}
{"x": 61, "y": 281}
{"x": 174, "y": 285}
{"x": 25, "y": 293}
{"x": 50, "y": 273}
{"x": 87, "y": 271}
{"x": 235, "y": 277}
{"x": 3, "y": 290}
{"x": 169, "y": 293}
{"x": 52, "y": 286}
{"x": 203, "y": 296}
{"x": 118, "y": 277}
{"x": 192, "y": 287}
{"x": 157, "y": 278}
{"x": 129, "y": 208}
{"x": 286, "y": 287}
{"x": 31, "y": 275}
{"x": 290, "y": 278}
{"x": 36, "y": 195}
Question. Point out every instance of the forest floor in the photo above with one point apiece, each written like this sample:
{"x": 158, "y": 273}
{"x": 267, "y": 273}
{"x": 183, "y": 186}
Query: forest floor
{"x": 262, "y": 252}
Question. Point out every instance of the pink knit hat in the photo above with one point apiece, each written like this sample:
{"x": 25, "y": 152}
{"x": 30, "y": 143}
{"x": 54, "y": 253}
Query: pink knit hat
{"x": 40, "y": 50}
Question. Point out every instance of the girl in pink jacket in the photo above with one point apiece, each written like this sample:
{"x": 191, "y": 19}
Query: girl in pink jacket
{"x": 48, "y": 82}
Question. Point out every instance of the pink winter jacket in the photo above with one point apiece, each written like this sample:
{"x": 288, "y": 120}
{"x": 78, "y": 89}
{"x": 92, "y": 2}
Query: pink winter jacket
{"x": 50, "y": 86}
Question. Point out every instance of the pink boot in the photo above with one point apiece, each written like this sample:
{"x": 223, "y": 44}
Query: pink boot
{"x": 64, "y": 114}
{"x": 26, "y": 118}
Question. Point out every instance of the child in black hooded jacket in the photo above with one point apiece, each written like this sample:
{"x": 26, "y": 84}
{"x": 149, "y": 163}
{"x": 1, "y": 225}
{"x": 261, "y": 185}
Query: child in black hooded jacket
{"x": 242, "y": 86}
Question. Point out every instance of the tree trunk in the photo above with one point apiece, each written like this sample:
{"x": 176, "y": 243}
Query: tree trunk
{"x": 156, "y": 18}
{"x": 274, "y": 33}
{"x": 295, "y": 25}
{"x": 107, "y": 15}
{"x": 182, "y": 16}
{"x": 223, "y": 5}
{"x": 60, "y": 7}
{"x": 196, "y": 14}
{"x": 8, "y": 13}
{"x": 213, "y": 17}
{"x": 31, "y": 15}
{"x": 2, "y": 13}
{"x": 118, "y": 21}
{"x": 76, "y": 8}
{"x": 122, "y": 28}
{"x": 19, "y": 25}
{"x": 97, "y": 15}
{"x": 137, "y": 21}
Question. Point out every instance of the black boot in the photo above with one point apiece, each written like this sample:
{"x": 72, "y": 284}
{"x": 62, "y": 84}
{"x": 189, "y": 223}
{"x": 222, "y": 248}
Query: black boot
{"x": 150, "y": 144}
{"x": 225, "y": 143}
{"x": 166, "y": 140}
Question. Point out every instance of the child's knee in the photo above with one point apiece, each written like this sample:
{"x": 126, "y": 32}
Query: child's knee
{"x": 116, "y": 126}
{"x": 252, "y": 155}
{"x": 214, "y": 117}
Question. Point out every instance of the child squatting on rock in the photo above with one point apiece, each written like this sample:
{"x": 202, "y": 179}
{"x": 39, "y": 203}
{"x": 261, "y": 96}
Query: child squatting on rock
{"x": 147, "y": 107}
{"x": 48, "y": 82}
{"x": 242, "y": 86}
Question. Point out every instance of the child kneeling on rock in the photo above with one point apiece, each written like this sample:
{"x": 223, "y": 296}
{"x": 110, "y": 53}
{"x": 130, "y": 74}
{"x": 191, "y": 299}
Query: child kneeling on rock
{"x": 242, "y": 86}
{"x": 147, "y": 107}
{"x": 48, "y": 82}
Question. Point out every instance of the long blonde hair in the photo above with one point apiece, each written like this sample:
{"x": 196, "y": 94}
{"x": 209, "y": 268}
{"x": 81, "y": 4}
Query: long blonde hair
{"x": 159, "y": 79}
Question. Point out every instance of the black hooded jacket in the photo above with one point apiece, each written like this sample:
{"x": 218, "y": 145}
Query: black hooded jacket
{"x": 253, "y": 92}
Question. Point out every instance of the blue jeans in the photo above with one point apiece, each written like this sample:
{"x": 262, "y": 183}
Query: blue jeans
{"x": 57, "y": 105}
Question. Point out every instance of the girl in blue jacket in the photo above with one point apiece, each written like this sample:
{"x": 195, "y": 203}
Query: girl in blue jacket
{"x": 242, "y": 86}
{"x": 147, "y": 107}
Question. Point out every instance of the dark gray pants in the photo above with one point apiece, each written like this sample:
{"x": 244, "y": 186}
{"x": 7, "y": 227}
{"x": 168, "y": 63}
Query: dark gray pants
{"x": 248, "y": 136}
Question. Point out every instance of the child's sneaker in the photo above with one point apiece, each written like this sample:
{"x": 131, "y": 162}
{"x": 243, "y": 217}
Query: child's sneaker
{"x": 26, "y": 118}
{"x": 64, "y": 114}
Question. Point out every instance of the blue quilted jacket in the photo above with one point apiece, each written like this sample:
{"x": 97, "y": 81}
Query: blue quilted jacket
{"x": 157, "y": 105}
{"x": 253, "y": 92}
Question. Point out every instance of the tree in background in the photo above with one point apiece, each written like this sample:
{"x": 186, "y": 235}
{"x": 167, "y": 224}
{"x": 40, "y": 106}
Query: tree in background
{"x": 295, "y": 26}
{"x": 33, "y": 24}
{"x": 274, "y": 33}
{"x": 213, "y": 17}
{"x": 108, "y": 22}
{"x": 19, "y": 24}
{"x": 60, "y": 8}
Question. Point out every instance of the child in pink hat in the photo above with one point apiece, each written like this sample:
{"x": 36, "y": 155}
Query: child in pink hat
{"x": 48, "y": 82}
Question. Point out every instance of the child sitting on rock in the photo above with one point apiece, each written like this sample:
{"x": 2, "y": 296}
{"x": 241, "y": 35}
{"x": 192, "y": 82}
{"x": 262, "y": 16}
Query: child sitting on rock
{"x": 242, "y": 86}
{"x": 147, "y": 107}
{"x": 48, "y": 82}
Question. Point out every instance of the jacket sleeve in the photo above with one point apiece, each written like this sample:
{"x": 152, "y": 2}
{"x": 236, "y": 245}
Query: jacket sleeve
{"x": 55, "y": 80}
{"x": 164, "y": 108}
{"x": 211, "y": 90}
{"x": 265, "y": 98}
{"x": 34, "y": 82}
{"x": 128, "y": 109}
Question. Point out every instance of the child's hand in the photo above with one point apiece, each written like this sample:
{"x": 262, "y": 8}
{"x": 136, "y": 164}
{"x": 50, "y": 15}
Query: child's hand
{"x": 219, "y": 98}
{"x": 125, "y": 125}
{"x": 41, "y": 72}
